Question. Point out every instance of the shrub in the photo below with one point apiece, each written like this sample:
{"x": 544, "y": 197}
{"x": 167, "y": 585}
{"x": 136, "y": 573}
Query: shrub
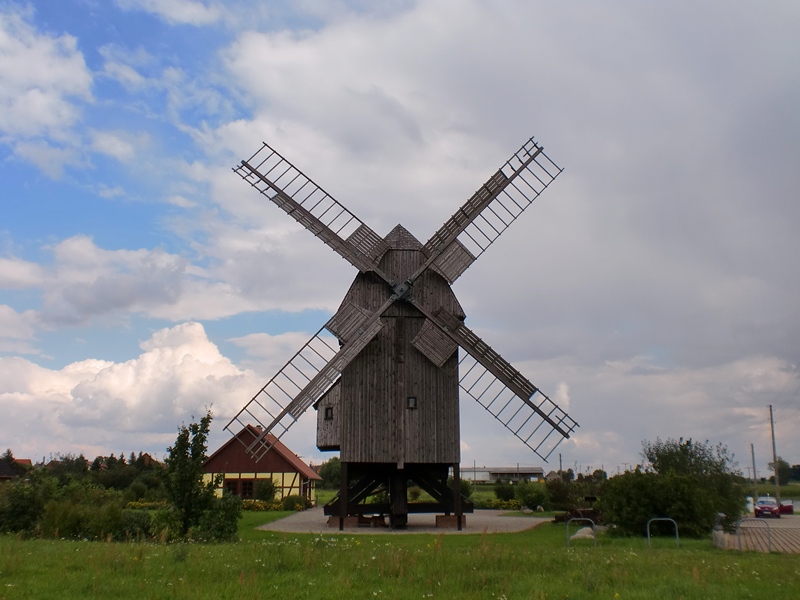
{"x": 260, "y": 505}
{"x": 466, "y": 486}
{"x": 531, "y": 494}
{"x": 21, "y": 506}
{"x": 265, "y": 490}
{"x": 414, "y": 493}
{"x": 166, "y": 525}
{"x": 219, "y": 523}
{"x": 494, "y": 503}
{"x": 135, "y": 525}
{"x": 687, "y": 481}
{"x": 503, "y": 490}
{"x": 147, "y": 505}
{"x": 295, "y": 503}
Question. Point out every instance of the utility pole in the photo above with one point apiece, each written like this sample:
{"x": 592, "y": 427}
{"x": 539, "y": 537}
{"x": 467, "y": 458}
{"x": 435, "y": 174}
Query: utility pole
{"x": 755, "y": 479}
{"x": 774, "y": 458}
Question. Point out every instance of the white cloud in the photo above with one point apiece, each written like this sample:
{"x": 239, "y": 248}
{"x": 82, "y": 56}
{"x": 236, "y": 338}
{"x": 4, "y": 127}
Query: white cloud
{"x": 20, "y": 274}
{"x": 99, "y": 406}
{"x": 17, "y": 331}
{"x": 113, "y": 144}
{"x": 49, "y": 158}
{"x": 191, "y": 12}
{"x": 41, "y": 76}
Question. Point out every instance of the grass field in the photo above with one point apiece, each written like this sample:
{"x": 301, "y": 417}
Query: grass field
{"x": 532, "y": 564}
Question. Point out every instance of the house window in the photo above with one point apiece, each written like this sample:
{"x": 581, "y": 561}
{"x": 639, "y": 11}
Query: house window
{"x": 329, "y": 413}
{"x": 247, "y": 488}
{"x": 411, "y": 402}
{"x": 232, "y": 486}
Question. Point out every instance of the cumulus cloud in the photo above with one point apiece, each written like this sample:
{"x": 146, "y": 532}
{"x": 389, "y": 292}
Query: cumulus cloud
{"x": 40, "y": 75}
{"x": 95, "y": 406}
{"x": 89, "y": 281}
{"x": 19, "y": 274}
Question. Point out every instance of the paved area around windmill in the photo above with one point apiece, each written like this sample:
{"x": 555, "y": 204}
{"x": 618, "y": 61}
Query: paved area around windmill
{"x": 489, "y": 521}
{"x": 761, "y": 535}
{"x": 783, "y": 536}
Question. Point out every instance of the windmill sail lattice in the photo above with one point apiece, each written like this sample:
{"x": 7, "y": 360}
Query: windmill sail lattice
{"x": 303, "y": 379}
{"x": 490, "y": 211}
{"x": 312, "y": 207}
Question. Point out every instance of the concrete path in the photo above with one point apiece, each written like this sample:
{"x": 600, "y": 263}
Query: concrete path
{"x": 481, "y": 521}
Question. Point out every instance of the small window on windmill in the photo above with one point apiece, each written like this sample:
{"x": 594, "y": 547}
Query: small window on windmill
{"x": 411, "y": 403}
{"x": 329, "y": 413}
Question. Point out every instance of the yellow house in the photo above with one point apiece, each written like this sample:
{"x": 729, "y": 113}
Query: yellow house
{"x": 291, "y": 476}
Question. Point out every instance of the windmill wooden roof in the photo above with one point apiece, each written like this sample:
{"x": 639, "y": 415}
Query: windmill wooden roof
{"x": 231, "y": 457}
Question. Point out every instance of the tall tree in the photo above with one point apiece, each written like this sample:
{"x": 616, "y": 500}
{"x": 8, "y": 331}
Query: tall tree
{"x": 784, "y": 471}
{"x": 184, "y": 474}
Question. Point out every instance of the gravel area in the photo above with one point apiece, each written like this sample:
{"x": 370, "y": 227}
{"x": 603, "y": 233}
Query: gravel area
{"x": 488, "y": 521}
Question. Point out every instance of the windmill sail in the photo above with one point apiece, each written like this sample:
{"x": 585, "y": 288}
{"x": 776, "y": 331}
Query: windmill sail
{"x": 301, "y": 382}
{"x": 487, "y": 372}
{"x": 489, "y": 212}
{"x": 312, "y": 207}
{"x": 536, "y": 420}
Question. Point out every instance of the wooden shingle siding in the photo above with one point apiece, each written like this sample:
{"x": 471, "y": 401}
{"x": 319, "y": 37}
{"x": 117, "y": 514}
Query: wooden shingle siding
{"x": 328, "y": 430}
{"x": 372, "y": 422}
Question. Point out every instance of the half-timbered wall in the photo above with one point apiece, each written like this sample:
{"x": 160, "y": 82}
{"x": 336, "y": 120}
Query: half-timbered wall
{"x": 240, "y": 470}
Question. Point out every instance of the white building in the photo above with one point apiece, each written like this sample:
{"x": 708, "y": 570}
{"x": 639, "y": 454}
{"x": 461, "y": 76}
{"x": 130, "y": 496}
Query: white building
{"x": 492, "y": 474}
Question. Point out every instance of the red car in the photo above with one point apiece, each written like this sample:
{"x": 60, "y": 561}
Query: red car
{"x": 787, "y": 507}
{"x": 766, "y": 506}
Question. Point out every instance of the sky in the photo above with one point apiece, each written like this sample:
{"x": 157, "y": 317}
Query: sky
{"x": 651, "y": 291}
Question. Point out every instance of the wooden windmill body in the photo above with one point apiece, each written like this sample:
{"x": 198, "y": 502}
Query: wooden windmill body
{"x": 385, "y": 373}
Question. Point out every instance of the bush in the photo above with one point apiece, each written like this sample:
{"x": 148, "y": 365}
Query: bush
{"x": 503, "y": 490}
{"x": 260, "y": 505}
{"x": 166, "y": 525}
{"x": 414, "y": 493}
{"x": 220, "y": 522}
{"x": 135, "y": 525}
{"x": 531, "y": 494}
{"x": 265, "y": 490}
{"x": 466, "y": 486}
{"x": 295, "y": 503}
{"x": 21, "y": 507}
{"x": 69, "y": 519}
{"x": 494, "y": 503}
{"x": 687, "y": 481}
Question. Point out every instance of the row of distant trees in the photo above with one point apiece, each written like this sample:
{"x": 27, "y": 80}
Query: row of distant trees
{"x": 114, "y": 497}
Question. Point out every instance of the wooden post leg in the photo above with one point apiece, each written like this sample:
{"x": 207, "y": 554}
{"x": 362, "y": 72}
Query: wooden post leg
{"x": 457, "y": 495}
{"x": 343, "y": 500}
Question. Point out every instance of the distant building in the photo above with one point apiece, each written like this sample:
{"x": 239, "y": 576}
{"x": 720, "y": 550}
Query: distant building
{"x": 6, "y": 472}
{"x": 553, "y": 476}
{"x": 291, "y": 476}
{"x": 492, "y": 474}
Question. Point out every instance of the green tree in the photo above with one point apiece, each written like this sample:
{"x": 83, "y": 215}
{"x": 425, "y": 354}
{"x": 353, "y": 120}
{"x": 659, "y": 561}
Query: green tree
{"x": 331, "y": 473}
{"x": 8, "y": 458}
{"x": 784, "y": 471}
{"x": 687, "y": 481}
{"x": 187, "y": 492}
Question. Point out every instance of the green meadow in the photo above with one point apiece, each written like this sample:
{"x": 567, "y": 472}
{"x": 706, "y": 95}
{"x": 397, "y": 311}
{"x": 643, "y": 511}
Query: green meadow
{"x": 532, "y": 564}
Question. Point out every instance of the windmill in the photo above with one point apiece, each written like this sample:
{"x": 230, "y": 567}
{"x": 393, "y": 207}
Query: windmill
{"x": 384, "y": 372}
